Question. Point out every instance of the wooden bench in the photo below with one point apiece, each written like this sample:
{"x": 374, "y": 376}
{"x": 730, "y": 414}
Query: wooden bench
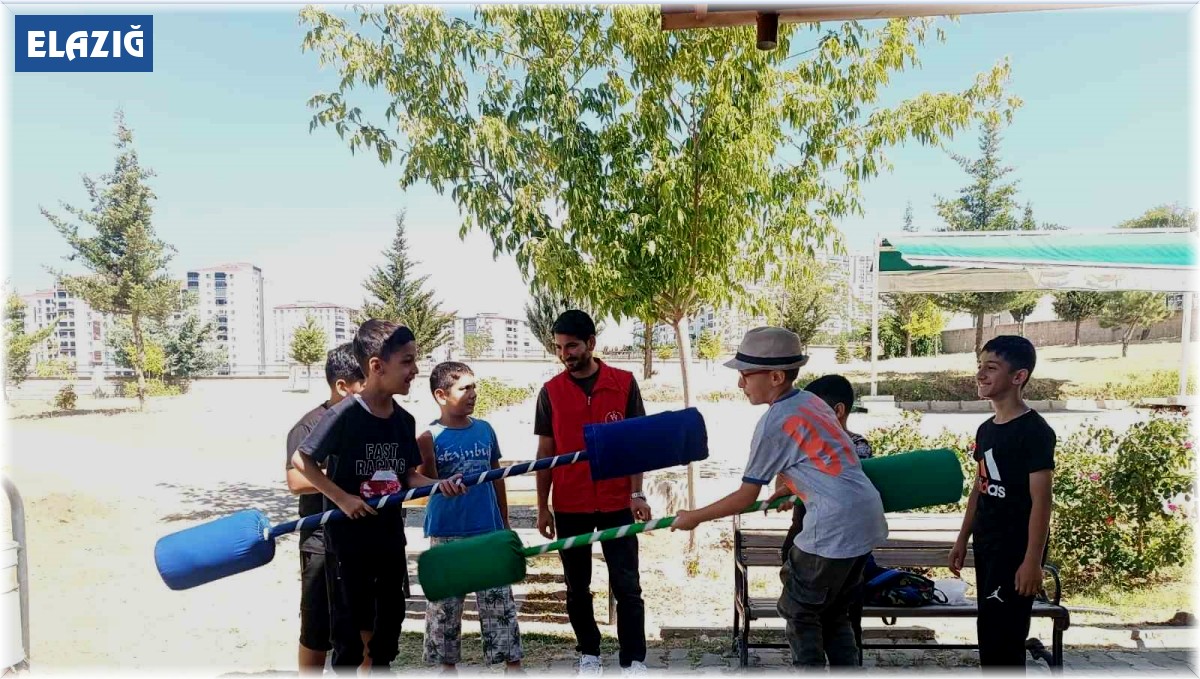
{"x": 919, "y": 544}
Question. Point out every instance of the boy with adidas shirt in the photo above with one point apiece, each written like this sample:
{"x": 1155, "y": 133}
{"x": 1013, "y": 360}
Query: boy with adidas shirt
{"x": 800, "y": 439}
{"x": 1008, "y": 512}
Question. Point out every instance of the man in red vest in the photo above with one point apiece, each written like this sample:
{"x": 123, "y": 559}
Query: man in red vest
{"x": 590, "y": 392}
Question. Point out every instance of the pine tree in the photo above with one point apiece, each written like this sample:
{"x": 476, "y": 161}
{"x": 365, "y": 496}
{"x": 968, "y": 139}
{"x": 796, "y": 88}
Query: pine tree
{"x": 128, "y": 263}
{"x": 397, "y": 294}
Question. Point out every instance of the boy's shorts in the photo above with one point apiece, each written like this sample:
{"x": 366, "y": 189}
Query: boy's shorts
{"x": 314, "y": 602}
{"x": 368, "y": 594}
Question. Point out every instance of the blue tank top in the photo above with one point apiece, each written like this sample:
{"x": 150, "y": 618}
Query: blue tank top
{"x": 469, "y": 450}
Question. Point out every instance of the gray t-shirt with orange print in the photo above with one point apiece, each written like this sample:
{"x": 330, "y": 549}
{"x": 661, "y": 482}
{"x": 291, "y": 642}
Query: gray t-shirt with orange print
{"x": 799, "y": 437}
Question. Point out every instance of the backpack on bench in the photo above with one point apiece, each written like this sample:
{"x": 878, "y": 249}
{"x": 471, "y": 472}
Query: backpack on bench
{"x": 895, "y": 587}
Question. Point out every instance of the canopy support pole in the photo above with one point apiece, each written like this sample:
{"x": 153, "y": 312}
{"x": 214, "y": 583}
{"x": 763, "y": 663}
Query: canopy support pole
{"x": 1185, "y": 342}
{"x": 875, "y": 318}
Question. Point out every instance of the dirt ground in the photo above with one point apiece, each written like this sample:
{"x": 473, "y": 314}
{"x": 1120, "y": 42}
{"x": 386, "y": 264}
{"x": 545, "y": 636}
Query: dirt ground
{"x": 102, "y": 484}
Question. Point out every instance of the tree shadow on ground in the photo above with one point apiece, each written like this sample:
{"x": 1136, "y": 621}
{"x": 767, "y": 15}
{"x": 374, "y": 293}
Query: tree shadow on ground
{"x": 50, "y": 414}
{"x": 211, "y": 503}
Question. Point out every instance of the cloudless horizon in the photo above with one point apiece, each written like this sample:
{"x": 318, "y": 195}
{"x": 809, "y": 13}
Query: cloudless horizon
{"x": 223, "y": 122}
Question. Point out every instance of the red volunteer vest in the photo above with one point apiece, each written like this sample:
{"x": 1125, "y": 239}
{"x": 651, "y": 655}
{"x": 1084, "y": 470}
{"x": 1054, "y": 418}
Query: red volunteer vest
{"x": 573, "y": 488}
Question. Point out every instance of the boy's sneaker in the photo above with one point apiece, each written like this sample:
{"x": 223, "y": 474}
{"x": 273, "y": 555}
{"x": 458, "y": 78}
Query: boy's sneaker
{"x": 590, "y": 664}
{"x": 635, "y": 667}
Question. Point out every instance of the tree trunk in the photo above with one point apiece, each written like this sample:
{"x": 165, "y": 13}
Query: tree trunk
{"x": 308, "y": 386}
{"x": 1078, "y": 321}
{"x": 684, "y": 344}
{"x": 139, "y": 360}
{"x": 978, "y": 333}
{"x": 647, "y": 350}
{"x": 907, "y": 344}
{"x": 1125, "y": 341}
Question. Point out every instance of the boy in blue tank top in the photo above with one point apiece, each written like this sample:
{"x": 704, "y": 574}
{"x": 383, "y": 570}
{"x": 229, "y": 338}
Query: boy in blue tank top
{"x": 457, "y": 443}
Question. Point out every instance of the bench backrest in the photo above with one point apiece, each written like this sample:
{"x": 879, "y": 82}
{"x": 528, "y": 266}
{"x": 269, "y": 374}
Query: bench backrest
{"x": 762, "y": 547}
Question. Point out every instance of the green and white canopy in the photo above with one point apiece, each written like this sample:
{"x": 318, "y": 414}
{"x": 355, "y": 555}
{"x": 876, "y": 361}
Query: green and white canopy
{"x": 1158, "y": 260}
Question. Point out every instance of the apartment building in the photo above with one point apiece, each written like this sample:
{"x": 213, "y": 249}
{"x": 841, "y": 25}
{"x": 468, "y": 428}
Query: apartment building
{"x": 334, "y": 319}
{"x": 231, "y": 295}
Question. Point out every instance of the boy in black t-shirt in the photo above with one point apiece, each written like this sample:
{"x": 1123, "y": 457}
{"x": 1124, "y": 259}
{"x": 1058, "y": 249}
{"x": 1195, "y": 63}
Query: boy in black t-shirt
{"x": 345, "y": 379}
{"x": 1008, "y": 513}
{"x": 369, "y": 446}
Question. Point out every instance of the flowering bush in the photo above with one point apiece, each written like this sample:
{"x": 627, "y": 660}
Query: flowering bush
{"x": 1122, "y": 503}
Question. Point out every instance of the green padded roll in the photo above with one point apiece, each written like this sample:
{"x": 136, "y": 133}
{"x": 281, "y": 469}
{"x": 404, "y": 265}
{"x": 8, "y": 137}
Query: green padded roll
{"x": 921, "y": 478}
{"x": 472, "y": 565}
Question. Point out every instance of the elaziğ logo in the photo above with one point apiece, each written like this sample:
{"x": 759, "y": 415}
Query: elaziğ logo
{"x": 72, "y": 43}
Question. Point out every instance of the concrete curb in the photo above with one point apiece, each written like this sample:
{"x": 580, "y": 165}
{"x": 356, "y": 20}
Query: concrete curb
{"x": 1074, "y": 404}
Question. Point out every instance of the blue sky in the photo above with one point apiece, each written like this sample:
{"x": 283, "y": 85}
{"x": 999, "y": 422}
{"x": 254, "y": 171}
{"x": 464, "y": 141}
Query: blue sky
{"x": 222, "y": 120}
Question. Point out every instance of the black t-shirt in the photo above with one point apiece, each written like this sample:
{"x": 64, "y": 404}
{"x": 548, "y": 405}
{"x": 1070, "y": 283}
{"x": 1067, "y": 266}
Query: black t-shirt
{"x": 368, "y": 456}
{"x": 311, "y": 539}
{"x": 1006, "y": 455}
{"x": 543, "y": 424}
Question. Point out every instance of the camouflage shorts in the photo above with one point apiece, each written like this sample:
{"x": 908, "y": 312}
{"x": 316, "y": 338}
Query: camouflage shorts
{"x": 497, "y": 619}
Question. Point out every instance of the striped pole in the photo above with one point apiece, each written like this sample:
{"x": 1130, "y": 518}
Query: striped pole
{"x": 323, "y": 518}
{"x": 635, "y": 528}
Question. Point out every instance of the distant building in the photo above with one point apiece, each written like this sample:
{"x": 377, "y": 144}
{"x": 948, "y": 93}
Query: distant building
{"x": 334, "y": 319}
{"x": 80, "y": 334}
{"x": 231, "y": 295}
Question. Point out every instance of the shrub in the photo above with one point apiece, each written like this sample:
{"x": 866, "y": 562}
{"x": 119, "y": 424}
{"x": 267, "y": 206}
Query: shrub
{"x": 492, "y": 395}
{"x": 662, "y": 394}
{"x": 842, "y": 355}
{"x": 1134, "y": 386}
{"x": 154, "y": 389}
{"x": 1121, "y": 503}
{"x": 53, "y": 368}
{"x": 65, "y": 398}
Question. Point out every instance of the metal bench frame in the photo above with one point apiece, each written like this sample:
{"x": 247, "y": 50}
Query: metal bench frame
{"x": 763, "y": 550}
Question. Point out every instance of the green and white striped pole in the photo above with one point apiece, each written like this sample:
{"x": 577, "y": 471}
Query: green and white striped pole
{"x": 635, "y": 528}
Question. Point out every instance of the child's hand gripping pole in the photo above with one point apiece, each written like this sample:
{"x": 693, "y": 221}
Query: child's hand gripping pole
{"x": 498, "y": 559}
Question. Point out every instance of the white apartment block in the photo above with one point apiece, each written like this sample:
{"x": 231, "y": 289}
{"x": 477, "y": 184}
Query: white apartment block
{"x": 231, "y": 295}
{"x": 729, "y": 324}
{"x": 511, "y": 337}
{"x": 79, "y": 337}
{"x": 855, "y": 277}
{"x": 334, "y": 319}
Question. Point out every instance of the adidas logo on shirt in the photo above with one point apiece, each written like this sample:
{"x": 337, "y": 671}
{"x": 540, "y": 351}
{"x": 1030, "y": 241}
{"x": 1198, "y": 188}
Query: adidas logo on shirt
{"x": 989, "y": 474}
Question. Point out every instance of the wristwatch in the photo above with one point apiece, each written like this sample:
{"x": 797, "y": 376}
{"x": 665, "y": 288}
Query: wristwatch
{"x": 639, "y": 495}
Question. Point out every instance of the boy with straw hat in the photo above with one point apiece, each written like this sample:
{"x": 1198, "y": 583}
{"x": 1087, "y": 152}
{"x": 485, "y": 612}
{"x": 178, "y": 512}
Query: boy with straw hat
{"x": 800, "y": 439}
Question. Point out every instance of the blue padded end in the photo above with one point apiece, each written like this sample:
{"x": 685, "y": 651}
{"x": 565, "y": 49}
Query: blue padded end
{"x": 214, "y": 550}
{"x": 643, "y": 444}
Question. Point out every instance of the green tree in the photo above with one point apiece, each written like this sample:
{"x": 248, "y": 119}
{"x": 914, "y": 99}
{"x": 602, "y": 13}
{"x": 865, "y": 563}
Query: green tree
{"x": 543, "y": 308}
{"x": 126, "y": 260}
{"x": 1133, "y": 310}
{"x": 643, "y": 341}
{"x": 1077, "y": 306}
{"x": 1172, "y": 216}
{"x": 308, "y": 345}
{"x": 397, "y": 294}
{"x": 806, "y": 301}
{"x": 1027, "y": 221}
{"x": 988, "y": 203}
{"x": 476, "y": 344}
{"x": 18, "y": 346}
{"x": 908, "y": 218}
{"x": 1021, "y": 312}
{"x": 917, "y": 317}
{"x": 664, "y": 352}
{"x": 708, "y": 346}
{"x": 659, "y": 172}
{"x": 190, "y": 348}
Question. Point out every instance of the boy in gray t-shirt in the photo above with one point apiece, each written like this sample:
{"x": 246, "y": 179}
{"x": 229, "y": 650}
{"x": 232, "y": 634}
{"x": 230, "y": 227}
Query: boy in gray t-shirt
{"x": 800, "y": 438}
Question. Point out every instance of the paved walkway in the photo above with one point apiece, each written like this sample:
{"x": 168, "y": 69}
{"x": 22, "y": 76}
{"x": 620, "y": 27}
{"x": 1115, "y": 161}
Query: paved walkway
{"x": 1086, "y": 662}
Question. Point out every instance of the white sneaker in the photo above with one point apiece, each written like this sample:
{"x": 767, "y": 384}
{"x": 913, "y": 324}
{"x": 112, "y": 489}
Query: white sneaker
{"x": 635, "y": 667}
{"x": 590, "y": 664}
